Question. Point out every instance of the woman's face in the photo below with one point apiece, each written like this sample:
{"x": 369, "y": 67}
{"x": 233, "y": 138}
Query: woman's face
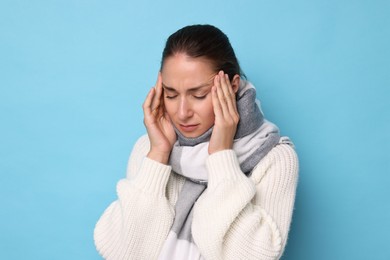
{"x": 187, "y": 84}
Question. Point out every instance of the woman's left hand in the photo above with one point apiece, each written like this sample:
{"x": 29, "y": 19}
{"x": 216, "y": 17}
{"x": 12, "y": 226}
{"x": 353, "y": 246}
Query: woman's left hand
{"x": 226, "y": 114}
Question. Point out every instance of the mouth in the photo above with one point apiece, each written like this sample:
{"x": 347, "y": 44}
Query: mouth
{"x": 188, "y": 128}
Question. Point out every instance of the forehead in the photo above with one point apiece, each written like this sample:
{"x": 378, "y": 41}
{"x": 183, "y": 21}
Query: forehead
{"x": 183, "y": 72}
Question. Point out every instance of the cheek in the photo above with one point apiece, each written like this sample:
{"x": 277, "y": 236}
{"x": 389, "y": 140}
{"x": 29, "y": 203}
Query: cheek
{"x": 169, "y": 107}
{"x": 207, "y": 112}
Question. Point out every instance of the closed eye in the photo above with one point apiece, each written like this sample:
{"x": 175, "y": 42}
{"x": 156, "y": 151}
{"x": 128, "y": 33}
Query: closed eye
{"x": 200, "y": 97}
{"x": 171, "y": 97}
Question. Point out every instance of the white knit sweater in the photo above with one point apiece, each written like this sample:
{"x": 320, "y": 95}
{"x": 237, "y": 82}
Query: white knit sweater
{"x": 237, "y": 217}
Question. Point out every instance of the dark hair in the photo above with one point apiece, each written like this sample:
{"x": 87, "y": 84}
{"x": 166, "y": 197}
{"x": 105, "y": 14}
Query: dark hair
{"x": 205, "y": 41}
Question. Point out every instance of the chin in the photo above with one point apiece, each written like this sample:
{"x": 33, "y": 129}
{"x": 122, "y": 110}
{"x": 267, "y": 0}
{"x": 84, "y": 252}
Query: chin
{"x": 191, "y": 135}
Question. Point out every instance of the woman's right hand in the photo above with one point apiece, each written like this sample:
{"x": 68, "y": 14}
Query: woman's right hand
{"x": 161, "y": 134}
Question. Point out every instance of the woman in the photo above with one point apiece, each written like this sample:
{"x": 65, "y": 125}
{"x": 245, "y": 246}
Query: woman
{"x": 212, "y": 179}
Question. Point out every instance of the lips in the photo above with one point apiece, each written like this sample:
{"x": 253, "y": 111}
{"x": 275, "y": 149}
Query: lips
{"x": 188, "y": 128}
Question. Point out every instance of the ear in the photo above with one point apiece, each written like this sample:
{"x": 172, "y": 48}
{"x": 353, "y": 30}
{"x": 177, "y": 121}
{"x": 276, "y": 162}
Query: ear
{"x": 235, "y": 83}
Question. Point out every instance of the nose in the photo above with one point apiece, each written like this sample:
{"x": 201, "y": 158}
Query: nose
{"x": 185, "y": 109}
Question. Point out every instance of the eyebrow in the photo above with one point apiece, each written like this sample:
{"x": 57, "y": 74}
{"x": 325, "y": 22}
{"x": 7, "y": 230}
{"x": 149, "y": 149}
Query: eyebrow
{"x": 194, "y": 89}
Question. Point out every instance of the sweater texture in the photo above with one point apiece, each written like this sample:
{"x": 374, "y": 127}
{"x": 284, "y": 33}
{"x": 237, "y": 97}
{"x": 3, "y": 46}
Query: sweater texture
{"x": 235, "y": 217}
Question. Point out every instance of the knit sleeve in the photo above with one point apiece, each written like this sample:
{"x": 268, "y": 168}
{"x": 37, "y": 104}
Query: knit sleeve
{"x": 137, "y": 223}
{"x": 246, "y": 218}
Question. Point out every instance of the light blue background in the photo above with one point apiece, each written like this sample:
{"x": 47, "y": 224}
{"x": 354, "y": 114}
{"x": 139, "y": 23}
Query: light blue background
{"x": 73, "y": 76}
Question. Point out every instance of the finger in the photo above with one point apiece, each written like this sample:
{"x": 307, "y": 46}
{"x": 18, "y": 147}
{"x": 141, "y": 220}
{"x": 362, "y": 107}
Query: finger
{"x": 148, "y": 101}
{"x": 158, "y": 85}
{"x": 229, "y": 94}
{"x": 230, "y": 88}
{"x": 221, "y": 96}
{"x": 226, "y": 89}
{"x": 233, "y": 95}
{"x": 214, "y": 97}
{"x": 158, "y": 91}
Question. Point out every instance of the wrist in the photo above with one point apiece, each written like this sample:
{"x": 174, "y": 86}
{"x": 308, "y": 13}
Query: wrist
{"x": 160, "y": 157}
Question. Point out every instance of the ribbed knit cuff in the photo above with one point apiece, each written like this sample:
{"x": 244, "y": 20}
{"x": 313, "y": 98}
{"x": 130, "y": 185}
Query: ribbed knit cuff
{"x": 222, "y": 166}
{"x": 153, "y": 176}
